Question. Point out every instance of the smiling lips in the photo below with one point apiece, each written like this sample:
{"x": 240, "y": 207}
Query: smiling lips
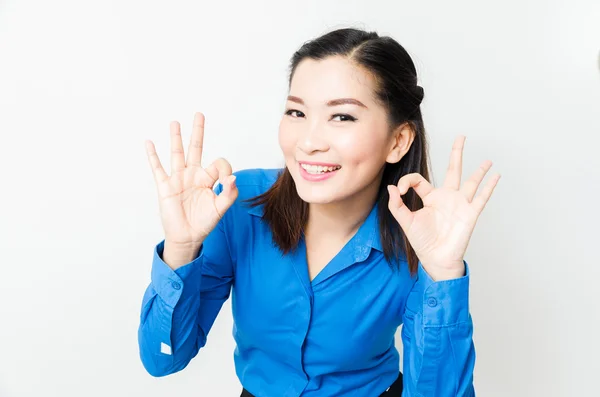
{"x": 315, "y": 172}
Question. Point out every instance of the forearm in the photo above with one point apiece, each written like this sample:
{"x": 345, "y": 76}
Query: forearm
{"x": 438, "y": 338}
{"x": 168, "y": 335}
{"x": 441, "y": 362}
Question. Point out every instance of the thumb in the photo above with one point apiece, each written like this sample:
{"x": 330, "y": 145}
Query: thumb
{"x": 228, "y": 196}
{"x": 399, "y": 210}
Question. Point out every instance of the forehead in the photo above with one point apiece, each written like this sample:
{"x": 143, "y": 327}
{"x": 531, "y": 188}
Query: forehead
{"x": 318, "y": 81}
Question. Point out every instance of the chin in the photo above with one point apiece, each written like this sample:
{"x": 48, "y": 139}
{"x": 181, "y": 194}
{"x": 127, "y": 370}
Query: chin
{"x": 316, "y": 197}
{"x": 316, "y": 193}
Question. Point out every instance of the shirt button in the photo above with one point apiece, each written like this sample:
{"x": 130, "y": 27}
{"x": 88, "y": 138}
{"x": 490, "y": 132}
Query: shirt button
{"x": 175, "y": 285}
{"x": 432, "y": 302}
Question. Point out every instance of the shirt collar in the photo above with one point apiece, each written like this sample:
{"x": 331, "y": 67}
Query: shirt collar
{"x": 368, "y": 234}
{"x": 257, "y": 210}
{"x": 369, "y": 230}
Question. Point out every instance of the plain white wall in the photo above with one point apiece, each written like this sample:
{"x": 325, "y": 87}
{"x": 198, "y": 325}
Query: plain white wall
{"x": 83, "y": 84}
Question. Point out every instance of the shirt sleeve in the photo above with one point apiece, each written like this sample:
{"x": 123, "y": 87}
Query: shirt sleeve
{"x": 437, "y": 331}
{"x": 179, "y": 307}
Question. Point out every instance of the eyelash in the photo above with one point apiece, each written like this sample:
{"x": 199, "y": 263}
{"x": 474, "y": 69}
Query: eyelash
{"x": 349, "y": 118}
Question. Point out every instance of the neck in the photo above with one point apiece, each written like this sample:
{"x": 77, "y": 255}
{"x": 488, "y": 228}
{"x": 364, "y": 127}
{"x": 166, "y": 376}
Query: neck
{"x": 341, "y": 219}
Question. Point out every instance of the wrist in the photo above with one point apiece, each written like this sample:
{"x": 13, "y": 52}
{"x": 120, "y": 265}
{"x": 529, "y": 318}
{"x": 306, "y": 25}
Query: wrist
{"x": 175, "y": 255}
{"x": 443, "y": 273}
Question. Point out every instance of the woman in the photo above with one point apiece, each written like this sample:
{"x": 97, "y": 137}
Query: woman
{"x": 324, "y": 258}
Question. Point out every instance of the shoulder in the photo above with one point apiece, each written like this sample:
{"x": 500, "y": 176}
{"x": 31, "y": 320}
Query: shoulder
{"x": 250, "y": 183}
{"x": 240, "y": 220}
{"x": 254, "y": 181}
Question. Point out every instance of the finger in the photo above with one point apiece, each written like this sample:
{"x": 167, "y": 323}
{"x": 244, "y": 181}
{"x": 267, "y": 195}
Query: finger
{"x": 399, "y": 210}
{"x": 481, "y": 200}
{"x": 194, "y": 155}
{"x": 417, "y": 182}
{"x": 220, "y": 169}
{"x": 227, "y": 196}
{"x": 177, "y": 158}
{"x": 470, "y": 187}
{"x": 454, "y": 171}
{"x": 157, "y": 169}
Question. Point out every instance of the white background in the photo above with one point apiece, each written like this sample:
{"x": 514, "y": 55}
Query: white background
{"x": 84, "y": 83}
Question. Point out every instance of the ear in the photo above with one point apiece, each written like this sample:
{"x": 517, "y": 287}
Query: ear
{"x": 401, "y": 139}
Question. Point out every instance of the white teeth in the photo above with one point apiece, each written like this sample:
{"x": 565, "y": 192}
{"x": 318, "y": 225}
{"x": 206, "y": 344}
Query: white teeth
{"x": 318, "y": 169}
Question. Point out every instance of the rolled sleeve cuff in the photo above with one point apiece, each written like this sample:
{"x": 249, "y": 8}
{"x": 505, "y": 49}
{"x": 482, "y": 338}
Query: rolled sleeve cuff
{"x": 171, "y": 285}
{"x": 445, "y": 302}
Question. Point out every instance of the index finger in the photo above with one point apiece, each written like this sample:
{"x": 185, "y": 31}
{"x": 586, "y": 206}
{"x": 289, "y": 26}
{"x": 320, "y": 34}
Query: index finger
{"x": 196, "y": 141}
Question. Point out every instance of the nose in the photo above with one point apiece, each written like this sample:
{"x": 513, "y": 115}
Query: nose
{"x": 311, "y": 139}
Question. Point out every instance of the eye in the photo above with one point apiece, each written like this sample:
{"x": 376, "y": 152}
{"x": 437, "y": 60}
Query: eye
{"x": 347, "y": 116}
{"x": 289, "y": 111}
{"x": 343, "y": 116}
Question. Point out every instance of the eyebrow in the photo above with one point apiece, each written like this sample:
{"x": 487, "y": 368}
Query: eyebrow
{"x": 333, "y": 102}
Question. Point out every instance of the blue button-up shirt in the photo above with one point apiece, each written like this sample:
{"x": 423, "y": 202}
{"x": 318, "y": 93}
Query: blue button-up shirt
{"x": 333, "y": 336}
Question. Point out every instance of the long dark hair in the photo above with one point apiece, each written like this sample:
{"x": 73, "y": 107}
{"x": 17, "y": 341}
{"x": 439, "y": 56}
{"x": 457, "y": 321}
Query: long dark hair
{"x": 397, "y": 90}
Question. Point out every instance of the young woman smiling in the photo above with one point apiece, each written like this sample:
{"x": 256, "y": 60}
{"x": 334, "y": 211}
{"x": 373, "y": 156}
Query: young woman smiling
{"x": 325, "y": 258}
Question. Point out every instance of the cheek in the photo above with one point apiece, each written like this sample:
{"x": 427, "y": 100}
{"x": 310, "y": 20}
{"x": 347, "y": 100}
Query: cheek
{"x": 358, "y": 149}
{"x": 286, "y": 140}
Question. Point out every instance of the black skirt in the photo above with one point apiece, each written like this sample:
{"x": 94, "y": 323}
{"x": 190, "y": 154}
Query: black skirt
{"x": 395, "y": 390}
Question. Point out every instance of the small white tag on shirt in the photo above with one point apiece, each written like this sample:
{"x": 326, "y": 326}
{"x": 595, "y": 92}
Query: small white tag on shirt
{"x": 165, "y": 349}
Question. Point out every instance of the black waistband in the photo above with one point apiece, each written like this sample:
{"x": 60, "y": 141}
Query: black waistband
{"x": 395, "y": 389}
